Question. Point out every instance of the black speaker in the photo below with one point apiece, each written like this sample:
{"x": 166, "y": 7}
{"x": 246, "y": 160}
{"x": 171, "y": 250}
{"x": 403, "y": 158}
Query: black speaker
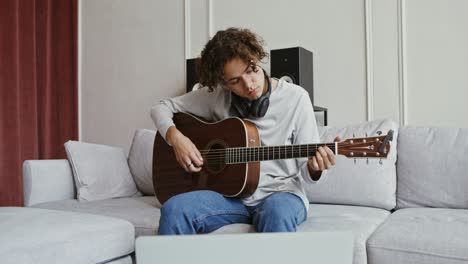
{"x": 294, "y": 65}
{"x": 192, "y": 76}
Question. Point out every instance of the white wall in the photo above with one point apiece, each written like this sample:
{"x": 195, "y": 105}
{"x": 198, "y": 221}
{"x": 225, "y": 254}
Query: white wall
{"x": 333, "y": 30}
{"x": 131, "y": 55}
{"x": 436, "y": 61}
{"x": 400, "y": 59}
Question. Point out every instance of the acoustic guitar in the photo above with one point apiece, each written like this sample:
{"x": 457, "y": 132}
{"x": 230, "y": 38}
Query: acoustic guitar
{"x": 232, "y": 153}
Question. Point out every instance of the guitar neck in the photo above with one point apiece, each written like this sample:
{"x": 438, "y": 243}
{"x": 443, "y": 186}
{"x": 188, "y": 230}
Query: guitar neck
{"x": 254, "y": 154}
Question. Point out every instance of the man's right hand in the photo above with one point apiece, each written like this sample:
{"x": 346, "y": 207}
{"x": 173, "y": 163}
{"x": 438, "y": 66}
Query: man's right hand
{"x": 186, "y": 152}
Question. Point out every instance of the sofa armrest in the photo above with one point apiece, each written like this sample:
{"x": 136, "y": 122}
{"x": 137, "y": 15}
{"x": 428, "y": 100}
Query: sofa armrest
{"x": 47, "y": 180}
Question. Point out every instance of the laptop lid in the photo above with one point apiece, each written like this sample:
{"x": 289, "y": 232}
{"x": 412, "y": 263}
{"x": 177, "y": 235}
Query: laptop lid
{"x": 270, "y": 248}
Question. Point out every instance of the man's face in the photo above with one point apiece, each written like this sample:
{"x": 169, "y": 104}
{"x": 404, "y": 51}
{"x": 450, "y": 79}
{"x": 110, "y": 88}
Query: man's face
{"x": 244, "y": 79}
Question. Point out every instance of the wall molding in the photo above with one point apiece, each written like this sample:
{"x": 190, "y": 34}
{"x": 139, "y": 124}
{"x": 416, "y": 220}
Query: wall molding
{"x": 369, "y": 59}
{"x": 187, "y": 44}
{"x": 210, "y": 19}
{"x": 187, "y": 28}
{"x": 402, "y": 82}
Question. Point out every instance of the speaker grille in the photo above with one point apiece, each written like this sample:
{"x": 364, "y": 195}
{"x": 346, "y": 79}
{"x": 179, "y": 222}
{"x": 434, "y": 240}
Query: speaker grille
{"x": 295, "y": 64}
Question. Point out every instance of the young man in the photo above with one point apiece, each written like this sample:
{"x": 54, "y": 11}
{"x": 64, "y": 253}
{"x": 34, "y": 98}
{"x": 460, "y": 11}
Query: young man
{"x": 235, "y": 85}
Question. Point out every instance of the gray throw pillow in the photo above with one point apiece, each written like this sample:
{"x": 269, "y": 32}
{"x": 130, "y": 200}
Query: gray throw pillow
{"x": 100, "y": 171}
{"x": 140, "y": 160}
{"x": 360, "y": 181}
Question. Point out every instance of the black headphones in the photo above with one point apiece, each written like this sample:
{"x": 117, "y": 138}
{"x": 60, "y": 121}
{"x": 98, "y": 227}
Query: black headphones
{"x": 257, "y": 108}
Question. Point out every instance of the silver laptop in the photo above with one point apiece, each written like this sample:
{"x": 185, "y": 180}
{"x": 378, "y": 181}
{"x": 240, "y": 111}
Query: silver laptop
{"x": 270, "y": 248}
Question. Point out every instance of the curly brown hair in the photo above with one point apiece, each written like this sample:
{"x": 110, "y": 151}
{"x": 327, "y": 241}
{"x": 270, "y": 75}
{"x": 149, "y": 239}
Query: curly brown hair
{"x": 223, "y": 47}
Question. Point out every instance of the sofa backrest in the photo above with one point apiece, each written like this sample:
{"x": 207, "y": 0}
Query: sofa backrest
{"x": 47, "y": 180}
{"x": 432, "y": 167}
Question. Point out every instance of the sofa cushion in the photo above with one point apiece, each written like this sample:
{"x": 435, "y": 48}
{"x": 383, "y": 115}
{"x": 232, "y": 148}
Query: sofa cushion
{"x": 235, "y": 229}
{"x": 31, "y": 235}
{"x": 100, "y": 171}
{"x": 140, "y": 160}
{"x": 140, "y": 211}
{"x": 421, "y": 235}
{"x": 361, "y": 221}
{"x": 358, "y": 181}
{"x": 432, "y": 167}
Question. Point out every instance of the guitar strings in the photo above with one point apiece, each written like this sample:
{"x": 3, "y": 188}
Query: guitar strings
{"x": 275, "y": 148}
{"x": 246, "y": 153}
{"x": 217, "y": 155}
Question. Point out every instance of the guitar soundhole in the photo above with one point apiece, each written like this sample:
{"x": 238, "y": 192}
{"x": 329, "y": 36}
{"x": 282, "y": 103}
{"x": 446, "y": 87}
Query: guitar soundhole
{"x": 215, "y": 158}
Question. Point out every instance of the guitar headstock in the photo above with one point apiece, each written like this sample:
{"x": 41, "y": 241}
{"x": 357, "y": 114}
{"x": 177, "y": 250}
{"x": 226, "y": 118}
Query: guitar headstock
{"x": 368, "y": 147}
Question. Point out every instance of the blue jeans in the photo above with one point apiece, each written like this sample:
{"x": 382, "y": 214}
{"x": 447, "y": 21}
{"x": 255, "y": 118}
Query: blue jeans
{"x": 205, "y": 211}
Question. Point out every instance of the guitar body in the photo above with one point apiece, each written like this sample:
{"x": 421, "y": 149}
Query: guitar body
{"x": 231, "y": 180}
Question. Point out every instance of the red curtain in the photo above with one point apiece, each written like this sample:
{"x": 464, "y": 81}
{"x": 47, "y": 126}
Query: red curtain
{"x": 38, "y": 86}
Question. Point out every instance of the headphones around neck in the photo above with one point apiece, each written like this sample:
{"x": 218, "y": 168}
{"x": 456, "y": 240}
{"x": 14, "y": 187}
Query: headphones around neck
{"x": 257, "y": 108}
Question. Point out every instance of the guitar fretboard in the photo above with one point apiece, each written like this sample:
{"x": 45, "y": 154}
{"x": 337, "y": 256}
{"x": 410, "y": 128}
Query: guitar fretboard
{"x": 253, "y": 154}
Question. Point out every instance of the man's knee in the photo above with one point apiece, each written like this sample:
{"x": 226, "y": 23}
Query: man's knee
{"x": 176, "y": 215}
{"x": 281, "y": 212}
{"x": 186, "y": 204}
{"x": 178, "y": 205}
{"x": 283, "y": 202}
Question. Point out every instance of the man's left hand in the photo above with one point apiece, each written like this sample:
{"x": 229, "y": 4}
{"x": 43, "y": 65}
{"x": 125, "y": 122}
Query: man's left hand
{"x": 324, "y": 159}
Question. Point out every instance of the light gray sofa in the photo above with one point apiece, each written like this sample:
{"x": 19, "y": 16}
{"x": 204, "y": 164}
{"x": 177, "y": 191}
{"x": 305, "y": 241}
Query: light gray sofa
{"x": 407, "y": 210}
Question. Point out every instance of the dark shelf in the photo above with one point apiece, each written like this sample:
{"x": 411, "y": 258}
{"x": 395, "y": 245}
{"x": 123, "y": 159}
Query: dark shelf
{"x": 325, "y": 111}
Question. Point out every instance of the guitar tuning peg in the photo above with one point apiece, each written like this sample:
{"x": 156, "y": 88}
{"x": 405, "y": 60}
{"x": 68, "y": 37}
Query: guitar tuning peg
{"x": 379, "y": 132}
{"x": 354, "y": 161}
{"x": 366, "y": 134}
{"x": 380, "y": 162}
{"x": 354, "y": 135}
{"x": 367, "y": 161}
